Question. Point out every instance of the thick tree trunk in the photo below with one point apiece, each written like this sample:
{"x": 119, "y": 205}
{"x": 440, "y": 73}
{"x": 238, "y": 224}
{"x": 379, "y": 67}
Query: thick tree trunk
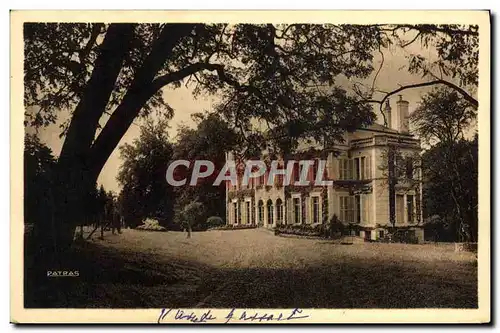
{"x": 82, "y": 158}
{"x": 75, "y": 176}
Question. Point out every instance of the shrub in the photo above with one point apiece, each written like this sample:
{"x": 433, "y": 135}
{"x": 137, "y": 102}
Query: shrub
{"x": 214, "y": 221}
{"x": 235, "y": 227}
{"x": 335, "y": 225}
{"x": 405, "y": 236}
{"x": 320, "y": 228}
{"x": 401, "y": 236}
{"x": 300, "y": 229}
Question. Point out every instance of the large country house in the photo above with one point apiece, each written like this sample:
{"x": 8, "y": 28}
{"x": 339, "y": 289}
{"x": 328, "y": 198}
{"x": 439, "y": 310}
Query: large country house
{"x": 359, "y": 193}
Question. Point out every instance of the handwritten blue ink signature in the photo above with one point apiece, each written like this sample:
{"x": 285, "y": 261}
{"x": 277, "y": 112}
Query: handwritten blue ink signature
{"x": 246, "y": 316}
{"x": 187, "y": 316}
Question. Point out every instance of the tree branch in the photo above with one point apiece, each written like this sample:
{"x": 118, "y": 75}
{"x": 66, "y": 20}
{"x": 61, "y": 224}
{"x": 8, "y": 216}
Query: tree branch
{"x": 428, "y": 28}
{"x": 86, "y": 116}
{"x": 411, "y": 41}
{"x": 465, "y": 94}
{"x": 138, "y": 94}
{"x": 163, "y": 80}
{"x": 84, "y": 53}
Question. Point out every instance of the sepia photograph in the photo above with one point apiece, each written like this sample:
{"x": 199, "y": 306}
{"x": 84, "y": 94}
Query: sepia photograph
{"x": 232, "y": 167}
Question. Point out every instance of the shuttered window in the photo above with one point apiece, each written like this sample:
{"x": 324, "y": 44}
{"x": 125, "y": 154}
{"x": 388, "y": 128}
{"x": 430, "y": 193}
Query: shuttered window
{"x": 347, "y": 209}
{"x": 355, "y": 209}
{"x": 366, "y": 208}
{"x": 235, "y": 213}
{"x": 400, "y": 208}
{"x": 296, "y": 211}
{"x": 358, "y": 168}
{"x": 346, "y": 167}
{"x": 315, "y": 209}
{"x": 410, "y": 208}
{"x": 368, "y": 168}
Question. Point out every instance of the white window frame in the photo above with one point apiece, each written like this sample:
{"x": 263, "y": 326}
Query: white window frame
{"x": 346, "y": 168}
{"x": 296, "y": 196}
{"x": 366, "y": 207}
{"x": 234, "y": 211}
{"x": 261, "y": 212}
{"x": 248, "y": 211}
{"x": 414, "y": 212}
{"x": 270, "y": 213}
{"x": 347, "y": 209}
{"x": 280, "y": 213}
{"x": 400, "y": 214}
{"x": 315, "y": 196}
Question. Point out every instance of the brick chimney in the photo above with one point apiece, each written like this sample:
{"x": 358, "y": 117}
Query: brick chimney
{"x": 402, "y": 123}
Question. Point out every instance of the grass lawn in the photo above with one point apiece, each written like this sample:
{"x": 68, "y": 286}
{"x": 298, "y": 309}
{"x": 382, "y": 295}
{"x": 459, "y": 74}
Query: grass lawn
{"x": 253, "y": 268}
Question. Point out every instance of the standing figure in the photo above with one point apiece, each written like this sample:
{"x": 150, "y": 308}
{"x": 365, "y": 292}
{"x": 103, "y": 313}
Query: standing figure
{"x": 116, "y": 222}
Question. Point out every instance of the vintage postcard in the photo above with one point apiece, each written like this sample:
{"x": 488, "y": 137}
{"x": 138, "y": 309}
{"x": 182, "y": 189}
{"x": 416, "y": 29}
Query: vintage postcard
{"x": 255, "y": 167}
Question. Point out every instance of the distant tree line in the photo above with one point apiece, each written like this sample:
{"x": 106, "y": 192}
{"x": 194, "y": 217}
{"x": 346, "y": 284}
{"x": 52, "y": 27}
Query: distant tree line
{"x": 145, "y": 192}
{"x": 445, "y": 121}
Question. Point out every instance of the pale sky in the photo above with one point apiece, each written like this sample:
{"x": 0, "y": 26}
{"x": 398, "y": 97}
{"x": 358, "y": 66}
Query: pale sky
{"x": 390, "y": 77}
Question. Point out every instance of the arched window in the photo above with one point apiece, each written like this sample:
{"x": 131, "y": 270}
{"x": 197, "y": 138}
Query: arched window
{"x": 248, "y": 213}
{"x": 270, "y": 218}
{"x": 279, "y": 211}
{"x": 260, "y": 208}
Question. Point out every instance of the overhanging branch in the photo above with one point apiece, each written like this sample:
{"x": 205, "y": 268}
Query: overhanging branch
{"x": 163, "y": 80}
{"x": 461, "y": 91}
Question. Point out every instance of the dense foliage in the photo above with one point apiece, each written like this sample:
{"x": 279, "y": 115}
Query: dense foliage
{"x": 450, "y": 166}
{"x": 39, "y": 165}
{"x": 215, "y": 221}
{"x": 145, "y": 192}
{"x": 451, "y": 193}
{"x": 210, "y": 141}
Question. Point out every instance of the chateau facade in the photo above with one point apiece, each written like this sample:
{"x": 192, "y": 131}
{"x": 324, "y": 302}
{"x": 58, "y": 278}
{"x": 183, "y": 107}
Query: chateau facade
{"x": 364, "y": 177}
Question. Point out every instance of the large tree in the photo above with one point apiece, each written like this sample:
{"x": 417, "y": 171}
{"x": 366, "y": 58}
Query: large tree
{"x": 444, "y": 118}
{"x": 451, "y": 193}
{"x": 210, "y": 141}
{"x": 145, "y": 193}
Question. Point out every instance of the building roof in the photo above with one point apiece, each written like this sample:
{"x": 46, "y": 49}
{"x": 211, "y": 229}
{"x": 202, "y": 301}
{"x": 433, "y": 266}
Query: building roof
{"x": 381, "y": 128}
{"x": 384, "y": 129}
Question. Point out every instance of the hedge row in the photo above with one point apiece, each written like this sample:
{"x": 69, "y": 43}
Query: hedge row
{"x": 235, "y": 227}
{"x": 314, "y": 230}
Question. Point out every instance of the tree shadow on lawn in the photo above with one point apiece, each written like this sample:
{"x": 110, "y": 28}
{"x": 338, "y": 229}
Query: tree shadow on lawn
{"x": 112, "y": 278}
{"x": 351, "y": 285}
